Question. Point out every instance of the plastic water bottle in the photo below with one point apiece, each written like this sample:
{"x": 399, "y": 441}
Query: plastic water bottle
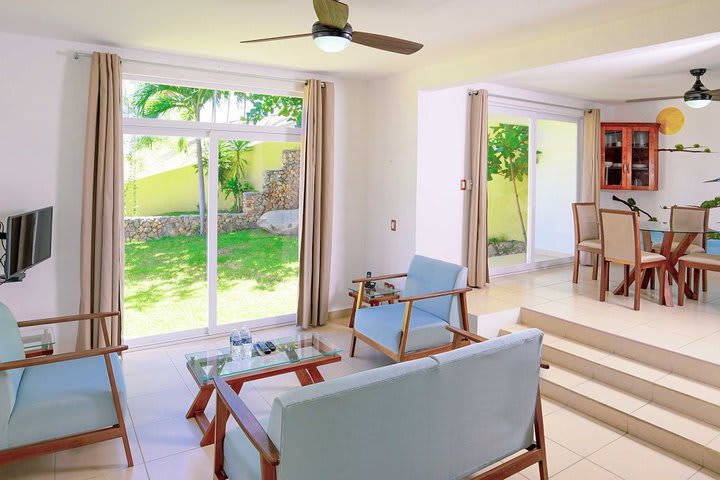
{"x": 246, "y": 343}
{"x": 235, "y": 343}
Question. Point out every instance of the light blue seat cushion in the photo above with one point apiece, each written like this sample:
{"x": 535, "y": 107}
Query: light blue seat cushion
{"x": 242, "y": 460}
{"x": 428, "y": 275}
{"x": 64, "y": 398}
{"x": 384, "y": 325}
{"x": 11, "y": 348}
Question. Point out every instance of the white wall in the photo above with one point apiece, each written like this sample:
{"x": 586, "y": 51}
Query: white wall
{"x": 393, "y": 163}
{"x": 681, "y": 175}
{"x": 43, "y": 97}
{"x": 441, "y": 208}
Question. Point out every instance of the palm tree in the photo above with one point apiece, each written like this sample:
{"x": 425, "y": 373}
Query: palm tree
{"x": 153, "y": 100}
{"x": 232, "y": 169}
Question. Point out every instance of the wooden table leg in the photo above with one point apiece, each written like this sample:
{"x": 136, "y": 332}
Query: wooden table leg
{"x": 315, "y": 375}
{"x": 304, "y": 377}
{"x": 629, "y": 280}
{"x": 674, "y": 257}
{"x": 209, "y": 431}
{"x": 201, "y": 400}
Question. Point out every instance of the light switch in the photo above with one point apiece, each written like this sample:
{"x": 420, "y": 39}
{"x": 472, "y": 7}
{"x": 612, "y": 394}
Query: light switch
{"x": 393, "y": 225}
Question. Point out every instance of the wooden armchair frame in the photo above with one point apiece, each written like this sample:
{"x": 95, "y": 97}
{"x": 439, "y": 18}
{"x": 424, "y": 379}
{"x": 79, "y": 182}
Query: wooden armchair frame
{"x": 80, "y": 439}
{"x": 401, "y": 355}
{"x": 229, "y": 404}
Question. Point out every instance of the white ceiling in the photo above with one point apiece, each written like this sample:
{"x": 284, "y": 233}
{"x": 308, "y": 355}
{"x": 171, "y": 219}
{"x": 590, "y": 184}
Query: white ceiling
{"x": 656, "y": 71}
{"x": 213, "y": 28}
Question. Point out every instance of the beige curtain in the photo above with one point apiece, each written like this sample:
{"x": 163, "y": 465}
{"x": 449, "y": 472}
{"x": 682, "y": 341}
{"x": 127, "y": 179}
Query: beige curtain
{"x": 102, "y": 236}
{"x": 316, "y": 202}
{"x": 590, "y": 190}
{"x": 477, "y": 230}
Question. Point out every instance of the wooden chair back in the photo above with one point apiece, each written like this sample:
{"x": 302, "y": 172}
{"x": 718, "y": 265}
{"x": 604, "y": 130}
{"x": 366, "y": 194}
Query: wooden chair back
{"x": 620, "y": 236}
{"x": 694, "y": 218}
{"x": 585, "y": 218}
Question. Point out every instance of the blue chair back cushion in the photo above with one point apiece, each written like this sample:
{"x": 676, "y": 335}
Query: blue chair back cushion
{"x": 403, "y": 421}
{"x": 428, "y": 275}
{"x": 11, "y": 348}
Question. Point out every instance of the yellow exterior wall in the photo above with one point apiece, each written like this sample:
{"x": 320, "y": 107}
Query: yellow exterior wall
{"x": 503, "y": 218}
{"x": 176, "y": 190}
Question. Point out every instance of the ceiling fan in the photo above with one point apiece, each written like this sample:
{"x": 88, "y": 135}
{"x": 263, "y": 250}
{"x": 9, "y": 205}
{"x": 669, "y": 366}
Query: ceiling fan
{"x": 333, "y": 34}
{"x": 697, "y": 97}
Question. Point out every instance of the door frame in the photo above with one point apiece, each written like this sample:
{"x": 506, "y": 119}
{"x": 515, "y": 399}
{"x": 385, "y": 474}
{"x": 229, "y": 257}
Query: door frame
{"x": 534, "y": 115}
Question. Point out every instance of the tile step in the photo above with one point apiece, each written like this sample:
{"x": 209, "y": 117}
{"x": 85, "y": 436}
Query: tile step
{"x": 664, "y": 427}
{"x": 679, "y": 393}
{"x": 650, "y": 355}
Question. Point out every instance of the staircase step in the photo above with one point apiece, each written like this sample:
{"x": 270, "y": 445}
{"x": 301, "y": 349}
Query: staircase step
{"x": 654, "y": 356}
{"x": 681, "y": 434}
{"x": 681, "y": 394}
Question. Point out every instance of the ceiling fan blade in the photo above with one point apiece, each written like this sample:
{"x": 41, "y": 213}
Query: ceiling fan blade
{"x": 332, "y": 13}
{"x": 382, "y": 42}
{"x": 635, "y": 100}
{"x": 715, "y": 94}
{"x": 271, "y": 39}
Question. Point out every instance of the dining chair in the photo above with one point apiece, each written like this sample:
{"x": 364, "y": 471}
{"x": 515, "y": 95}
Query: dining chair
{"x": 692, "y": 218}
{"x": 587, "y": 236}
{"x": 689, "y": 268}
{"x": 620, "y": 243}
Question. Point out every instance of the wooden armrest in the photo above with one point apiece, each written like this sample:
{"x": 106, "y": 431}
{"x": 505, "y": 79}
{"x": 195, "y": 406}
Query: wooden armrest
{"x": 473, "y": 337}
{"x": 247, "y": 421}
{"x": 62, "y": 357}
{"x": 381, "y": 277}
{"x": 69, "y": 318}
{"x": 435, "y": 294}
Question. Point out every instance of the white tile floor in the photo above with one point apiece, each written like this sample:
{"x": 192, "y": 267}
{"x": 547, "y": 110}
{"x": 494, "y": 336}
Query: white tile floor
{"x": 165, "y": 444}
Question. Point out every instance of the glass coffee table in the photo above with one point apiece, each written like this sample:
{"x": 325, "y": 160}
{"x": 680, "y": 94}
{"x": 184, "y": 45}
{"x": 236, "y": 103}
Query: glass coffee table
{"x": 301, "y": 354}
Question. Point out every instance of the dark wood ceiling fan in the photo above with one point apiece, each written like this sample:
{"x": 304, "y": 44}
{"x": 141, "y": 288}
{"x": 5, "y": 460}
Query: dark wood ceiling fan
{"x": 332, "y": 33}
{"x": 698, "y": 96}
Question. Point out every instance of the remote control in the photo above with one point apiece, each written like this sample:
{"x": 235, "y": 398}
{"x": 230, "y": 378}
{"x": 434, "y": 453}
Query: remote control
{"x": 271, "y": 345}
{"x": 259, "y": 349}
{"x": 263, "y": 346}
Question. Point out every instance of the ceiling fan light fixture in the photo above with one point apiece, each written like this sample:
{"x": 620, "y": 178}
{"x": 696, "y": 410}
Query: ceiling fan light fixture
{"x": 698, "y": 96}
{"x": 330, "y": 39}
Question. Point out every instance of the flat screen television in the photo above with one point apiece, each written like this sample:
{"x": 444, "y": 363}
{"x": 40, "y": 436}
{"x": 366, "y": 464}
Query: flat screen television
{"x": 28, "y": 241}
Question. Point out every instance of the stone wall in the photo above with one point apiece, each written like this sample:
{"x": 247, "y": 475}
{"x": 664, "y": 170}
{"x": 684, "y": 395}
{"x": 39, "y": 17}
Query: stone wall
{"x": 280, "y": 192}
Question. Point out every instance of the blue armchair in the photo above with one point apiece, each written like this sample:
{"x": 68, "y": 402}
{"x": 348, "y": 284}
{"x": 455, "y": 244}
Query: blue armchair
{"x": 434, "y": 298}
{"x": 57, "y": 402}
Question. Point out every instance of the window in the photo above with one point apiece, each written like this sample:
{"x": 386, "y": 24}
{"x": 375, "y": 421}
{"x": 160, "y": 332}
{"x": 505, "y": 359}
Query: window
{"x": 211, "y": 185}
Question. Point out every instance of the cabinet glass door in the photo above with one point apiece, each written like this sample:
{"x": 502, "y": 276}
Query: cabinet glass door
{"x": 612, "y": 156}
{"x": 640, "y": 173}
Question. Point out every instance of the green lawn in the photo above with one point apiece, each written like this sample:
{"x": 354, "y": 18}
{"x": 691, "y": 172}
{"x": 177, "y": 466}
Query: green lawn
{"x": 166, "y": 281}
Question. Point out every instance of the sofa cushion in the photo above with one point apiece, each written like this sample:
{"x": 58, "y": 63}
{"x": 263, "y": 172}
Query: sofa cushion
{"x": 427, "y": 275}
{"x": 11, "y": 348}
{"x": 495, "y": 384}
{"x": 374, "y": 424}
{"x": 64, "y": 398}
{"x": 242, "y": 460}
{"x": 384, "y": 325}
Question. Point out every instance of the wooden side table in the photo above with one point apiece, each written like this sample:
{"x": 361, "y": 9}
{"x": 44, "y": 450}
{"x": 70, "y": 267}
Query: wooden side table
{"x": 373, "y": 297}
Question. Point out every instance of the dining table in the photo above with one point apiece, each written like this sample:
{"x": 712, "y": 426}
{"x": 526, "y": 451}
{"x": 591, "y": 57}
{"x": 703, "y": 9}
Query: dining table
{"x": 686, "y": 236}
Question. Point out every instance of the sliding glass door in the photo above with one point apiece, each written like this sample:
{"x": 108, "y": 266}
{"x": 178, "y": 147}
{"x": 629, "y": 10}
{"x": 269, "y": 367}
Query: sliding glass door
{"x": 256, "y": 230}
{"x": 211, "y": 210}
{"x": 532, "y": 181}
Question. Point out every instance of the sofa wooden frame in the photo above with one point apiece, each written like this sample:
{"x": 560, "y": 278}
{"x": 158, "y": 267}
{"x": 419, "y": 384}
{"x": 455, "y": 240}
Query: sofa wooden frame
{"x": 401, "y": 355}
{"x": 81, "y": 439}
{"x": 229, "y": 404}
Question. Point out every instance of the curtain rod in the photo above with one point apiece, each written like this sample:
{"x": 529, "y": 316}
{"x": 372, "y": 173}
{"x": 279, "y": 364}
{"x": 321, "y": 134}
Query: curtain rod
{"x": 475, "y": 92}
{"x": 78, "y": 55}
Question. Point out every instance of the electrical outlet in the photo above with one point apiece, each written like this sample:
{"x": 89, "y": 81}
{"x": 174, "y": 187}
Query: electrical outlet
{"x": 393, "y": 225}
